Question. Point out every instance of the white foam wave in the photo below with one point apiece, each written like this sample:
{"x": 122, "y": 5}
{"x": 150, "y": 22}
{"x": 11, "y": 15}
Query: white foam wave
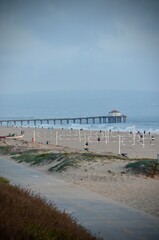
{"x": 121, "y": 127}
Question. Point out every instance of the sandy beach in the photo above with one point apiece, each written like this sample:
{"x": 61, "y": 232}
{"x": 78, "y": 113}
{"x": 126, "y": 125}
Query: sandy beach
{"x": 135, "y": 145}
{"x": 107, "y": 177}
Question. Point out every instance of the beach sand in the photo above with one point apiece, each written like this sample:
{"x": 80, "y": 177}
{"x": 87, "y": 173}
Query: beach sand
{"x": 106, "y": 177}
{"x": 115, "y": 142}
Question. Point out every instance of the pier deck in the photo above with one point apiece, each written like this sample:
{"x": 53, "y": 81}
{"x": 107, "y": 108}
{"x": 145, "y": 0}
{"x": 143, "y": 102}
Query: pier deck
{"x": 74, "y": 120}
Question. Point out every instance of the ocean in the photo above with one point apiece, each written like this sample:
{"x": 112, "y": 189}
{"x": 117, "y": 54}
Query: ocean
{"x": 141, "y": 108}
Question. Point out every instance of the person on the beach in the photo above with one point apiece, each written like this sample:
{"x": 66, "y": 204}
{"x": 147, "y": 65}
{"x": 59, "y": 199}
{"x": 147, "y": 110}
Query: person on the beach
{"x": 86, "y": 146}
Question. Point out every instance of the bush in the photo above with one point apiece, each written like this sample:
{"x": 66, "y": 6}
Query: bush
{"x": 29, "y": 217}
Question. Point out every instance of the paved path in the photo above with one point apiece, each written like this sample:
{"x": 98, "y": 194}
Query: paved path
{"x": 104, "y": 217}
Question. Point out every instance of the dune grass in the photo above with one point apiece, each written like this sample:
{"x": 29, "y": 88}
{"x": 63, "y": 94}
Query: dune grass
{"x": 61, "y": 160}
{"x": 146, "y": 167}
{"x": 29, "y": 217}
{"x": 38, "y": 158}
{"x": 4, "y": 150}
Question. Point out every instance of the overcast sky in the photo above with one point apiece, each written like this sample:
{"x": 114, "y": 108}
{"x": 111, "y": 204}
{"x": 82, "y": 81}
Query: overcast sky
{"x": 79, "y": 44}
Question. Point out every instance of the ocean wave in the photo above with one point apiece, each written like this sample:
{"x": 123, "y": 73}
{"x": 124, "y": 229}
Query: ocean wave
{"x": 108, "y": 127}
{"x": 121, "y": 127}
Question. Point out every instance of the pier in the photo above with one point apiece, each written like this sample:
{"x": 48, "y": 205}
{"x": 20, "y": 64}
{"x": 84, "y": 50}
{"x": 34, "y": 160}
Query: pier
{"x": 74, "y": 120}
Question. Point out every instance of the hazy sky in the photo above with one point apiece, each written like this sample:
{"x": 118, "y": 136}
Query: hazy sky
{"x": 79, "y": 44}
